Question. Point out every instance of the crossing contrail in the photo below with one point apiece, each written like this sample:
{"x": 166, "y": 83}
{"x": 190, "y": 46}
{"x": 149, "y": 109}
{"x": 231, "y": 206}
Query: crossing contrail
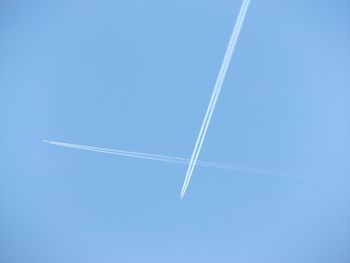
{"x": 215, "y": 95}
{"x": 173, "y": 159}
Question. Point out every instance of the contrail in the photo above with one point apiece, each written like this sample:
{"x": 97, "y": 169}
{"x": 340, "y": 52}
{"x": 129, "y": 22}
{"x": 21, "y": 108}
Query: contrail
{"x": 148, "y": 156}
{"x": 172, "y": 159}
{"x": 215, "y": 95}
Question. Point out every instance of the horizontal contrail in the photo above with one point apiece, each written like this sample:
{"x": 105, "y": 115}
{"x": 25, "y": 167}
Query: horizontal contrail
{"x": 215, "y": 95}
{"x": 172, "y": 159}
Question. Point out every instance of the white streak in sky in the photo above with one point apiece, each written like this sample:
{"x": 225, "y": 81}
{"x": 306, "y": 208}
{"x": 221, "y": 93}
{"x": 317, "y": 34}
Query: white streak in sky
{"x": 215, "y": 94}
{"x": 172, "y": 159}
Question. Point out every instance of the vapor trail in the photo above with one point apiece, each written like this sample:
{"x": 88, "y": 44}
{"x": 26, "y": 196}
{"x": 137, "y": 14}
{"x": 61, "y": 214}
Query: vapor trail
{"x": 215, "y": 95}
{"x": 172, "y": 159}
{"x": 148, "y": 156}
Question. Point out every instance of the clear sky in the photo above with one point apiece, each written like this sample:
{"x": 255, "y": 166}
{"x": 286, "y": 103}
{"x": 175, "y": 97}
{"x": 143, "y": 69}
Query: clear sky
{"x": 137, "y": 75}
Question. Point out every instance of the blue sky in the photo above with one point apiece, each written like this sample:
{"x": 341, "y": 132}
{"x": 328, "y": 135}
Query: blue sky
{"x": 138, "y": 75}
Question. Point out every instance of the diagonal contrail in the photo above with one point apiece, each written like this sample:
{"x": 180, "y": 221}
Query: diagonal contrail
{"x": 148, "y": 156}
{"x": 172, "y": 159}
{"x": 215, "y": 95}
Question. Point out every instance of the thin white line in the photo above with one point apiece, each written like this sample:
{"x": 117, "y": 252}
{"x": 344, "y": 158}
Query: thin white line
{"x": 215, "y": 95}
{"x": 172, "y": 159}
{"x": 155, "y": 157}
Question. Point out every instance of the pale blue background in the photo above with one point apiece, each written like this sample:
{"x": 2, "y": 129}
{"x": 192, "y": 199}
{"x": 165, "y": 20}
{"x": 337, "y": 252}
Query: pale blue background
{"x": 137, "y": 75}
